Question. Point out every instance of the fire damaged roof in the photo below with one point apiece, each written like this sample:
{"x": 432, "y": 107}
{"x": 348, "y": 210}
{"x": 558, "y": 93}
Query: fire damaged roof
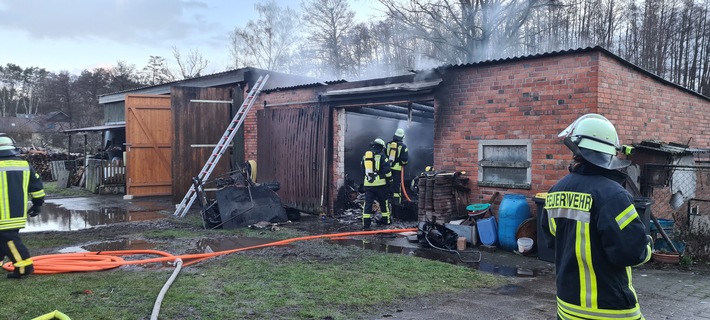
{"x": 394, "y": 87}
{"x": 305, "y": 85}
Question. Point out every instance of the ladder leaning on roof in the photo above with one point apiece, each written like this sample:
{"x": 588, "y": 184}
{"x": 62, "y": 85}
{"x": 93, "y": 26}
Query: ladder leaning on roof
{"x": 223, "y": 144}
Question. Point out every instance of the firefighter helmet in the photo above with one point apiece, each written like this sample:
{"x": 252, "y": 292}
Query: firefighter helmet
{"x": 7, "y": 146}
{"x": 594, "y": 138}
{"x": 378, "y": 142}
{"x": 399, "y": 133}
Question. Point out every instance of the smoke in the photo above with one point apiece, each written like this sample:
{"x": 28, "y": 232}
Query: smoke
{"x": 361, "y": 130}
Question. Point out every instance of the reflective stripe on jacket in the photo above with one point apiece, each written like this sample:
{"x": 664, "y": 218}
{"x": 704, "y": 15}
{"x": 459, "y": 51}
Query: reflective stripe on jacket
{"x": 18, "y": 180}
{"x": 597, "y": 234}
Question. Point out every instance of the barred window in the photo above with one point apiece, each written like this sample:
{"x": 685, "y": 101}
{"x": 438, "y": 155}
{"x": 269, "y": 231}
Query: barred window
{"x": 505, "y": 163}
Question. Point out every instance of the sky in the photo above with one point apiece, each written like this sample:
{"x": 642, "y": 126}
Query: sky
{"x": 74, "y": 35}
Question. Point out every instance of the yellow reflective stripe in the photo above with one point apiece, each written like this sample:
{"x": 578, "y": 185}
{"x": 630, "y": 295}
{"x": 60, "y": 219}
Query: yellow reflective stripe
{"x": 626, "y": 216}
{"x": 576, "y": 312}
{"x": 587, "y": 277}
{"x": 4, "y": 200}
{"x": 38, "y": 194}
{"x": 553, "y": 226}
{"x": 13, "y": 223}
{"x": 569, "y": 213}
{"x": 25, "y": 196}
{"x": 23, "y": 263}
{"x": 13, "y": 250}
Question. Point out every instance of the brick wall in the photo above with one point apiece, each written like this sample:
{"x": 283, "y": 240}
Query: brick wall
{"x": 643, "y": 108}
{"x": 530, "y": 99}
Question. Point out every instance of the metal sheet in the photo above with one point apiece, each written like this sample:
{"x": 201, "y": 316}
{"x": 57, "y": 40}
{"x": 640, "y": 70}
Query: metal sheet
{"x": 292, "y": 149}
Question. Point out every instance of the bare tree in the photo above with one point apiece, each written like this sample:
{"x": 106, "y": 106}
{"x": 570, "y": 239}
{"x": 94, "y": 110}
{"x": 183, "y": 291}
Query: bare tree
{"x": 10, "y": 78}
{"x": 157, "y": 71}
{"x": 123, "y": 76}
{"x": 193, "y": 65}
{"x": 328, "y": 22}
{"x": 463, "y": 31}
{"x": 269, "y": 41}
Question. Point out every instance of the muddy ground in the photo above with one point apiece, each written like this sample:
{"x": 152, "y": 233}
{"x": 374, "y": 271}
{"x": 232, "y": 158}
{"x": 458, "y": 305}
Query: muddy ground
{"x": 528, "y": 294}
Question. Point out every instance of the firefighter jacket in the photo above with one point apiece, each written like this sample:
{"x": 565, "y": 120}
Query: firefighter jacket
{"x": 377, "y": 169}
{"x": 398, "y": 154}
{"x": 591, "y": 221}
{"x": 18, "y": 180}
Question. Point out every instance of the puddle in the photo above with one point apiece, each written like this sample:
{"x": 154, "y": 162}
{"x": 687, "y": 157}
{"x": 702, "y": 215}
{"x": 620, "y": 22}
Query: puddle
{"x": 73, "y": 214}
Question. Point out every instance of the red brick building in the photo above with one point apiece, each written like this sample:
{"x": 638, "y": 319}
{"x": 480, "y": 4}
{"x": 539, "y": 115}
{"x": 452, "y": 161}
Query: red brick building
{"x": 497, "y": 120}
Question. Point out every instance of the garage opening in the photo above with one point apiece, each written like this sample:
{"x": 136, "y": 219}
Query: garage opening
{"x": 377, "y": 111}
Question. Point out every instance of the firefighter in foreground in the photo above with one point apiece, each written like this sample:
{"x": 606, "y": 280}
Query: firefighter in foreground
{"x": 398, "y": 156}
{"x": 18, "y": 180}
{"x": 378, "y": 177}
{"x": 590, "y": 220}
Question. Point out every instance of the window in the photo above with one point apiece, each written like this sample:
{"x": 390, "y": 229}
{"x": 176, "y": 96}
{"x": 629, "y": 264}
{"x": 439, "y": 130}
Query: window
{"x": 504, "y": 163}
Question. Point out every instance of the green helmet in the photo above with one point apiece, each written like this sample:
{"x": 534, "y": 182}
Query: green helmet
{"x": 594, "y": 137}
{"x": 7, "y": 146}
{"x": 378, "y": 142}
{"x": 399, "y": 133}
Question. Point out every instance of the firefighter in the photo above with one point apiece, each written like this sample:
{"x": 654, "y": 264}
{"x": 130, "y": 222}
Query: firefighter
{"x": 378, "y": 177}
{"x": 591, "y": 221}
{"x": 398, "y": 156}
{"x": 18, "y": 180}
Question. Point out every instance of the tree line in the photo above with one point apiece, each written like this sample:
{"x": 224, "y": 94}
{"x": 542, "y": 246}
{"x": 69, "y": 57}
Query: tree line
{"x": 670, "y": 38}
{"x": 320, "y": 38}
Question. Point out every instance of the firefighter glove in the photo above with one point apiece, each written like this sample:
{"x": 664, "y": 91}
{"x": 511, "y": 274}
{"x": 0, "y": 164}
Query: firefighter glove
{"x": 371, "y": 177}
{"x": 34, "y": 210}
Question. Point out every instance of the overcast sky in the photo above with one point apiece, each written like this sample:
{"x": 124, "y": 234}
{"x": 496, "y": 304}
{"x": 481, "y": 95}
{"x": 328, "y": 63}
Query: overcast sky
{"x": 74, "y": 35}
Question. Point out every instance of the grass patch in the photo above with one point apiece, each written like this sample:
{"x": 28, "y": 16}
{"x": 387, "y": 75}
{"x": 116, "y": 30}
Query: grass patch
{"x": 53, "y": 191}
{"x": 308, "y": 280}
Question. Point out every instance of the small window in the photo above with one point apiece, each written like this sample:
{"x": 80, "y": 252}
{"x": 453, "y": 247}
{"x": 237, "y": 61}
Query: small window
{"x": 504, "y": 163}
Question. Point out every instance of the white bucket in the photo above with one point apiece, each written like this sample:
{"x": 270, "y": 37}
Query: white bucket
{"x": 524, "y": 244}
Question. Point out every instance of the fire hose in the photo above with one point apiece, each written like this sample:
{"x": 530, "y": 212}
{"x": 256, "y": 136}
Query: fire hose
{"x": 404, "y": 188}
{"x": 105, "y": 260}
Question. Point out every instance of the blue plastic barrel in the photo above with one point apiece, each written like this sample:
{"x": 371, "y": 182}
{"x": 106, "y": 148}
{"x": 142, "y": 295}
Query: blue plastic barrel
{"x": 513, "y": 210}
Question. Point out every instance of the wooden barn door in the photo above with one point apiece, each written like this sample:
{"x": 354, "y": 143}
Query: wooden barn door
{"x": 292, "y": 148}
{"x": 198, "y": 127}
{"x": 149, "y": 138}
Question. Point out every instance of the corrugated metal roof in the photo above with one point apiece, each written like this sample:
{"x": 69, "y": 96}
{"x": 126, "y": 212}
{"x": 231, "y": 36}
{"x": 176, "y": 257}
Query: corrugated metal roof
{"x": 96, "y": 128}
{"x": 305, "y": 85}
{"x": 404, "y": 86}
{"x": 211, "y": 80}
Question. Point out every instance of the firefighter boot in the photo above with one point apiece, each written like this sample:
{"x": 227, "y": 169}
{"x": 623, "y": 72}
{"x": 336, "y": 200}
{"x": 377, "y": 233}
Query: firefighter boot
{"x": 22, "y": 270}
{"x": 366, "y": 223}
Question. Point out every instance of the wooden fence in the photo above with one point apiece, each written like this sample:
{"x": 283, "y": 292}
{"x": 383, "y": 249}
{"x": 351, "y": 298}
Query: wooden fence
{"x": 104, "y": 173}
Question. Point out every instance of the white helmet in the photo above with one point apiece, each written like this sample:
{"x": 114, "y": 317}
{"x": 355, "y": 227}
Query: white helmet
{"x": 594, "y": 138}
{"x": 7, "y": 146}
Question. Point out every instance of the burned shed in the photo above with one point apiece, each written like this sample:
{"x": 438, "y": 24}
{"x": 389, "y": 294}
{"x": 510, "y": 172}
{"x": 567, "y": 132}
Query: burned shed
{"x": 496, "y": 120}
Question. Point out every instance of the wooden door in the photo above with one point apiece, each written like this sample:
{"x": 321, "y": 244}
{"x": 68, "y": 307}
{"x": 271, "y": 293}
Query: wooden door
{"x": 149, "y": 138}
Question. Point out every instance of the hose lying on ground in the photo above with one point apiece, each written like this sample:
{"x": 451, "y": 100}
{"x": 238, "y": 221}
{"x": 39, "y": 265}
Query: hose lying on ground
{"x": 105, "y": 260}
